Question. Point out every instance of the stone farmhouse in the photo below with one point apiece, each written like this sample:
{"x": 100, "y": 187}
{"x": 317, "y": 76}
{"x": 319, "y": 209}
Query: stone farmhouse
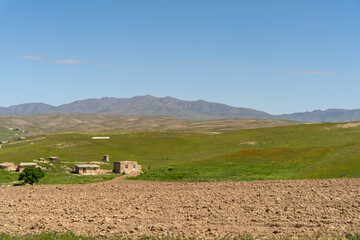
{"x": 126, "y": 167}
{"x": 12, "y": 167}
{"x": 87, "y": 169}
{"x": 8, "y": 166}
{"x": 22, "y": 166}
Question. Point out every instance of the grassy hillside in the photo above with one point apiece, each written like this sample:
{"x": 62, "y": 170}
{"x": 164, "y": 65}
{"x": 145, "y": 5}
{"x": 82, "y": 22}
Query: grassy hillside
{"x": 6, "y": 134}
{"x": 291, "y": 152}
{"x": 77, "y": 122}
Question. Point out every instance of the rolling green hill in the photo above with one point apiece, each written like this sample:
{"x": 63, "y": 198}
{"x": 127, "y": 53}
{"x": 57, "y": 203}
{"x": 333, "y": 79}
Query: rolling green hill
{"x": 290, "y": 152}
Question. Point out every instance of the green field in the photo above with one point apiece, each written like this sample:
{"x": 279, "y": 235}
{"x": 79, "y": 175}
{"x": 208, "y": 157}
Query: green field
{"x": 6, "y": 134}
{"x": 290, "y": 152}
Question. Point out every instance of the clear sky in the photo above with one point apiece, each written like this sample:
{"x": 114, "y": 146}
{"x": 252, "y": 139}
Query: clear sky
{"x": 275, "y": 56}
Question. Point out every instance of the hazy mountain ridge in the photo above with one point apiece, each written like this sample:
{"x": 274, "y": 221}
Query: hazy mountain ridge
{"x": 168, "y": 106}
{"x": 28, "y": 108}
{"x": 329, "y": 115}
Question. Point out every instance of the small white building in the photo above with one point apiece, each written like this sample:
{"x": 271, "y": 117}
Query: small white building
{"x": 100, "y": 138}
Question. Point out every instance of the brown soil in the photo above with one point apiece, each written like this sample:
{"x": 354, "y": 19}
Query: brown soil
{"x": 134, "y": 208}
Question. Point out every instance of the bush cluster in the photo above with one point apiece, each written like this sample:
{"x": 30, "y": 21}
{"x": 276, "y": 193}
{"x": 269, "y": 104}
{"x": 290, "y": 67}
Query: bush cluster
{"x": 31, "y": 175}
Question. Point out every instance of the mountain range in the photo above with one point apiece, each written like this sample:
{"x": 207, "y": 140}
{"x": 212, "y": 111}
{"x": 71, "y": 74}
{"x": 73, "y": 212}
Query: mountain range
{"x": 168, "y": 106}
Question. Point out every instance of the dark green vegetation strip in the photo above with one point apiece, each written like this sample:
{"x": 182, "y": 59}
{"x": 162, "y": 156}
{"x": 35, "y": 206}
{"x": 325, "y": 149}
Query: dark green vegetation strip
{"x": 41, "y": 236}
{"x": 292, "y": 152}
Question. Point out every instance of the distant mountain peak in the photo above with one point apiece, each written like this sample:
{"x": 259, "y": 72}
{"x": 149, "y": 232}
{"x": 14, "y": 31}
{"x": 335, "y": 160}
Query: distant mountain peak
{"x": 148, "y": 105}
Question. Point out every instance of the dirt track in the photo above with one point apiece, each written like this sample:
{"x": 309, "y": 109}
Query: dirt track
{"x": 134, "y": 208}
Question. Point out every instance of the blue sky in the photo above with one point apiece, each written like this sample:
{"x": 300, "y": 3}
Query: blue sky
{"x": 275, "y": 56}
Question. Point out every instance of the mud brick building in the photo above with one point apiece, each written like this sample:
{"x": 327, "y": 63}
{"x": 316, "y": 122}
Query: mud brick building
{"x": 87, "y": 169}
{"x": 126, "y": 167}
{"x": 22, "y": 166}
{"x": 8, "y": 166}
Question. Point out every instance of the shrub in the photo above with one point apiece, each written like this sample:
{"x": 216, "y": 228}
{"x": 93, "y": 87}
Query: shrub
{"x": 31, "y": 175}
{"x": 355, "y": 236}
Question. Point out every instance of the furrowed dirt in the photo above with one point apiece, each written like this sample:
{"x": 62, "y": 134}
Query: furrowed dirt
{"x": 135, "y": 208}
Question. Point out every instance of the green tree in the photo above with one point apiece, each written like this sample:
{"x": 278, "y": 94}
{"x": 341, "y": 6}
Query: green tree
{"x": 31, "y": 175}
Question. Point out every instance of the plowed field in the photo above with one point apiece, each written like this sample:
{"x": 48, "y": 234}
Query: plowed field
{"x": 135, "y": 208}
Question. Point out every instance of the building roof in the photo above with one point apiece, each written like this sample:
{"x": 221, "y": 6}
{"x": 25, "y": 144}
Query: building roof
{"x": 7, "y": 164}
{"x": 27, "y": 164}
{"x": 126, "y": 162}
{"x": 87, "y": 166}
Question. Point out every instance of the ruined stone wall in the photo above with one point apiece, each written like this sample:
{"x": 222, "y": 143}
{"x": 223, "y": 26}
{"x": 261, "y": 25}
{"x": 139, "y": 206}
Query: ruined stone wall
{"x": 8, "y": 168}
